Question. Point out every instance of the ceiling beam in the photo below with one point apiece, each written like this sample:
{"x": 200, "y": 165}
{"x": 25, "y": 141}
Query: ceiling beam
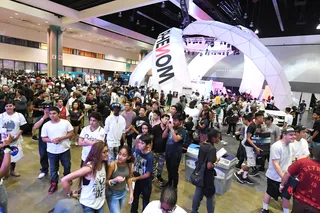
{"x": 20, "y": 8}
{"x": 194, "y": 11}
{"x": 276, "y": 8}
{"x": 114, "y": 31}
{"x": 108, "y": 8}
{"x": 52, "y": 7}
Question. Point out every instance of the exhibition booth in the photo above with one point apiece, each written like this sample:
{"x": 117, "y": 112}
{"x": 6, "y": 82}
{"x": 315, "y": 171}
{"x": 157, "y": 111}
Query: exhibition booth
{"x": 206, "y": 43}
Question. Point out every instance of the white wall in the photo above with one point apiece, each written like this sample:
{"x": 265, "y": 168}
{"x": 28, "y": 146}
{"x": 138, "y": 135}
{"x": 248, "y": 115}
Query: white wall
{"x": 301, "y": 63}
{"x": 41, "y": 36}
{"x": 13, "y": 52}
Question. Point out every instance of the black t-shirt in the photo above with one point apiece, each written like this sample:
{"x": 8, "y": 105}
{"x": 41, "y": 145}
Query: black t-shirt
{"x": 210, "y": 150}
{"x": 137, "y": 122}
{"x": 252, "y": 128}
{"x": 45, "y": 121}
{"x": 91, "y": 101}
{"x": 169, "y": 96}
{"x": 37, "y": 103}
{"x": 316, "y": 127}
{"x": 189, "y": 125}
{"x": 159, "y": 143}
{"x": 175, "y": 147}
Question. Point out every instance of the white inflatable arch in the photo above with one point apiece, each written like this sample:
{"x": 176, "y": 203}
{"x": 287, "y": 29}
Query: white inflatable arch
{"x": 250, "y": 46}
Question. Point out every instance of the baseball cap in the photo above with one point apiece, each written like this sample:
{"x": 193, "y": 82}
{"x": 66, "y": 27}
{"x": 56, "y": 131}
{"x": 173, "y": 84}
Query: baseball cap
{"x": 300, "y": 128}
{"x": 288, "y": 129}
{"x": 116, "y": 105}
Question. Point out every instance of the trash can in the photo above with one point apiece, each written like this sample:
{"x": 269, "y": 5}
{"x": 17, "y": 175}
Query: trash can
{"x": 224, "y": 169}
{"x": 191, "y": 157}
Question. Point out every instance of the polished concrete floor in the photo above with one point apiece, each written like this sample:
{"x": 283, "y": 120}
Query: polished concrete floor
{"x": 29, "y": 194}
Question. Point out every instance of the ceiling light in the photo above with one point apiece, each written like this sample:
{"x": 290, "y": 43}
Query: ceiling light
{"x": 251, "y": 24}
{"x": 39, "y": 24}
{"x": 16, "y": 14}
{"x": 152, "y": 28}
{"x": 11, "y": 17}
{"x": 163, "y": 5}
{"x": 245, "y": 16}
{"x": 120, "y": 15}
{"x": 90, "y": 40}
{"x": 138, "y": 22}
{"x": 81, "y": 35}
{"x": 318, "y": 27}
{"x": 256, "y": 31}
{"x": 70, "y": 28}
{"x": 89, "y": 33}
{"x": 46, "y": 22}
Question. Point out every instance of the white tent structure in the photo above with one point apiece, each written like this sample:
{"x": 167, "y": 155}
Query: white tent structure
{"x": 246, "y": 41}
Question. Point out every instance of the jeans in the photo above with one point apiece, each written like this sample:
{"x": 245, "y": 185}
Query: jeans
{"x": 129, "y": 141}
{"x": 158, "y": 163}
{"x": 198, "y": 195}
{"x": 87, "y": 209}
{"x": 43, "y": 156}
{"x": 233, "y": 126}
{"x": 173, "y": 162}
{"x": 65, "y": 158}
{"x": 116, "y": 200}
{"x": 143, "y": 187}
{"x": 112, "y": 154}
{"x": 3, "y": 199}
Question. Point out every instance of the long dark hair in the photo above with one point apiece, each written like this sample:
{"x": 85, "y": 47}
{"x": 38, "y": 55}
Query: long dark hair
{"x": 94, "y": 155}
{"x": 129, "y": 152}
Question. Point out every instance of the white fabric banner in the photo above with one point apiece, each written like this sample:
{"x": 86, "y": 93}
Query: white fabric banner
{"x": 252, "y": 79}
{"x": 169, "y": 68}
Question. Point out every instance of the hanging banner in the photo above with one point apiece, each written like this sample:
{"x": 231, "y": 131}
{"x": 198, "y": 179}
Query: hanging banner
{"x": 169, "y": 63}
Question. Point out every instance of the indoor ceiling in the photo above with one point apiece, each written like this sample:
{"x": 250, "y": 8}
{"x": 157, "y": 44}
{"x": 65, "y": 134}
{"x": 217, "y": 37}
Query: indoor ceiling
{"x": 141, "y": 21}
{"x": 27, "y": 21}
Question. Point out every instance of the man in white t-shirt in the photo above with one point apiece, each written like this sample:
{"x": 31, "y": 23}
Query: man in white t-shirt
{"x": 281, "y": 154}
{"x": 115, "y": 128}
{"x": 288, "y": 118}
{"x": 90, "y": 135}
{"x": 57, "y": 133}
{"x": 167, "y": 203}
{"x": 300, "y": 145}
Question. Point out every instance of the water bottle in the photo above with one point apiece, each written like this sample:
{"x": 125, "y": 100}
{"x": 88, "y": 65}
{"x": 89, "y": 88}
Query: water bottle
{"x": 4, "y": 134}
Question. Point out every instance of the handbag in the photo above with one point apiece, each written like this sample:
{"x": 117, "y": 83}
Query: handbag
{"x": 197, "y": 176}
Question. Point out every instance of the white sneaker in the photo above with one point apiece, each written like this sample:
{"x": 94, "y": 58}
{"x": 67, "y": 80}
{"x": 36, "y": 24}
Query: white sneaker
{"x": 41, "y": 175}
{"x": 224, "y": 143}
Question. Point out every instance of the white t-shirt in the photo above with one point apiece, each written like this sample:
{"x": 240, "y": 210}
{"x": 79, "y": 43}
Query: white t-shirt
{"x": 282, "y": 152}
{"x": 301, "y": 148}
{"x": 194, "y": 113}
{"x": 288, "y": 119}
{"x": 114, "y": 127}
{"x": 262, "y": 106}
{"x": 154, "y": 207}
{"x": 87, "y": 134}
{"x": 55, "y": 130}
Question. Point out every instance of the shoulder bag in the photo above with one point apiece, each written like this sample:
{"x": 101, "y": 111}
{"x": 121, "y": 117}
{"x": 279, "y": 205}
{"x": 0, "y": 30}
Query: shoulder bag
{"x": 197, "y": 176}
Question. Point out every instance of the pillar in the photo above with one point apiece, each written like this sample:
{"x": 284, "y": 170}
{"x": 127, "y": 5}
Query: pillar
{"x": 55, "y": 47}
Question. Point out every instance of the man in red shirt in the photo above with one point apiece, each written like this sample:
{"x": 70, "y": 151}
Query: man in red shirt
{"x": 307, "y": 194}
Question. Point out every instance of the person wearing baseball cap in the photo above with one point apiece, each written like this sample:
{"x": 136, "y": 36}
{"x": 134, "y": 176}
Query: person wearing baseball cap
{"x": 300, "y": 145}
{"x": 281, "y": 155}
{"x": 115, "y": 126}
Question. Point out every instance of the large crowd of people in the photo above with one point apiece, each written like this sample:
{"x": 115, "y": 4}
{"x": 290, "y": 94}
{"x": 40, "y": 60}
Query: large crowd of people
{"x": 129, "y": 135}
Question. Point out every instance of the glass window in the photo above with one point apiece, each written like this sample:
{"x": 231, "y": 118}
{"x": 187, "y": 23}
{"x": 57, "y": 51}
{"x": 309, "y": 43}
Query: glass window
{"x": 100, "y": 56}
{"x": 77, "y": 69}
{"x": 8, "y": 64}
{"x": 69, "y": 69}
{"x": 43, "y": 67}
{"x": 31, "y": 66}
{"x": 43, "y": 46}
{"x": 19, "y": 65}
{"x": 82, "y": 53}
